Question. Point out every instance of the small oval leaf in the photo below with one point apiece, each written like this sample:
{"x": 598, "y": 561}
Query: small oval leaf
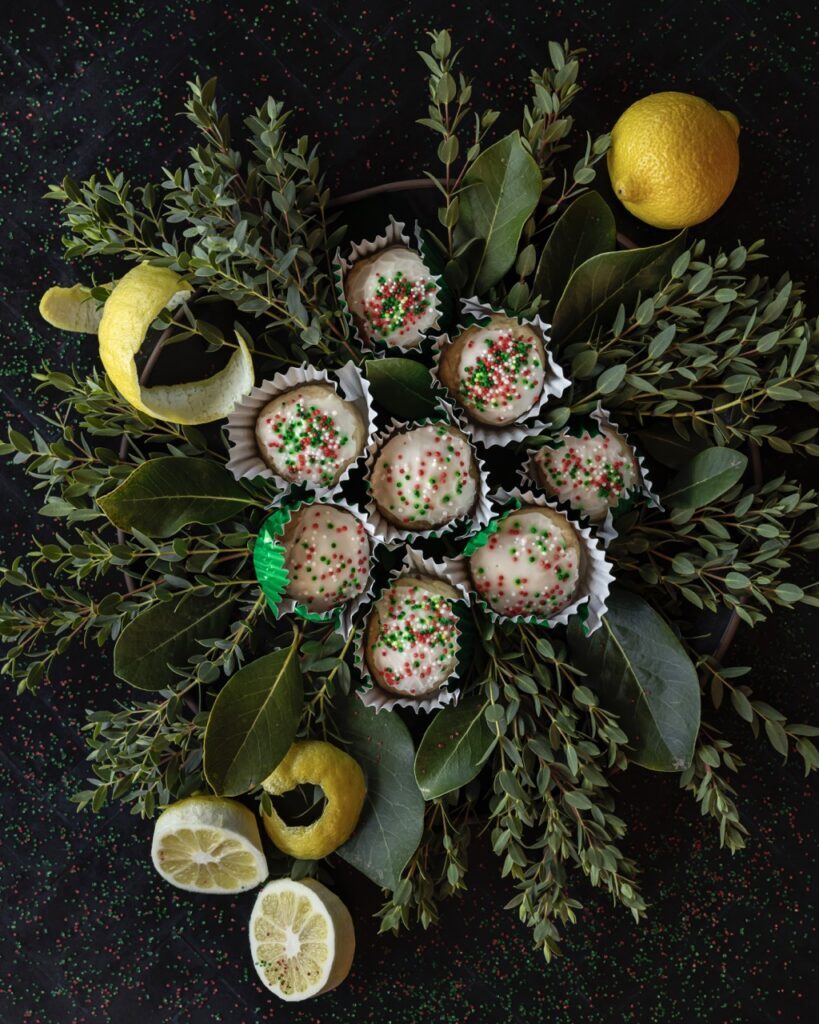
{"x": 402, "y": 386}
{"x": 392, "y": 822}
{"x": 640, "y": 671}
{"x": 707, "y": 476}
{"x": 454, "y": 748}
{"x": 163, "y": 495}
{"x": 253, "y": 722}
{"x": 166, "y": 635}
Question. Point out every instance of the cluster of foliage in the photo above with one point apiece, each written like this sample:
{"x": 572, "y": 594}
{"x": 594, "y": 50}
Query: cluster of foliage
{"x": 704, "y": 361}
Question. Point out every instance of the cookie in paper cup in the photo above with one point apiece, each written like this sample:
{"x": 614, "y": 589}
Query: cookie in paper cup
{"x": 416, "y": 637}
{"x": 305, "y": 427}
{"x": 499, "y": 373}
{"x": 314, "y": 559}
{"x": 592, "y": 469}
{"x": 533, "y": 564}
{"x": 387, "y": 290}
{"x": 425, "y": 479}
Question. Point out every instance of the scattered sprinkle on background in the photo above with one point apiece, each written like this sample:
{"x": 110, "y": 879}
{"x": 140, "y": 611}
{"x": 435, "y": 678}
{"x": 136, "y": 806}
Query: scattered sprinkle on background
{"x": 88, "y": 932}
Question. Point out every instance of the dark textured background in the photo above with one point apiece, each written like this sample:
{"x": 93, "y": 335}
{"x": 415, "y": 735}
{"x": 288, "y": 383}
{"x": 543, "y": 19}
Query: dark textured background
{"x": 88, "y": 932}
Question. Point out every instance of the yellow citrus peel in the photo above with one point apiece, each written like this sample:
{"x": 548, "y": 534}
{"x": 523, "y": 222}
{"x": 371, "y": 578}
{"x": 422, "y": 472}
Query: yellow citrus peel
{"x": 341, "y": 779}
{"x": 71, "y": 309}
{"x": 136, "y": 301}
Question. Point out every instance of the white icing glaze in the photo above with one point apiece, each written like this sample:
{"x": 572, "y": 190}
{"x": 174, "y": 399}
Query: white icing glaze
{"x": 393, "y": 297}
{"x": 593, "y": 472}
{"x": 327, "y": 556}
{"x": 310, "y": 434}
{"x": 425, "y": 477}
{"x": 500, "y": 371}
{"x": 415, "y": 647}
{"x": 530, "y": 566}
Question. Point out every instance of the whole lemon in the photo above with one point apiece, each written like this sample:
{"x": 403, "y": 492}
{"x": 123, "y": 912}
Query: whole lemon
{"x": 673, "y": 159}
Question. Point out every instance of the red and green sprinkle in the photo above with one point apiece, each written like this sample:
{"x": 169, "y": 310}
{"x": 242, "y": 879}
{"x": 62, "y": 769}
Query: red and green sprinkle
{"x": 418, "y": 639}
{"x": 308, "y": 441}
{"x": 507, "y": 371}
{"x": 398, "y": 304}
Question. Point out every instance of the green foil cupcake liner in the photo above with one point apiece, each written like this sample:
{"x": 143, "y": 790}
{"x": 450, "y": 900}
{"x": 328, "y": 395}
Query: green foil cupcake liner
{"x": 269, "y": 566}
{"x": 555, "y": 381}
{"x": 393, "y": 236}
{"x": 606, "y": 529}
{"x": 390, "y": 532}
{"x": 452, "y": 571}
{"x": 596, "y": 572}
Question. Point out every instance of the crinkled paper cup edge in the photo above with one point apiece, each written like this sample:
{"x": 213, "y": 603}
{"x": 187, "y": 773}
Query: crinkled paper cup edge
{"x": 596, "y": 576}
{"x": 394, "y": 234}
{"x": 244, "y": 460}
{"x": 371, "y": 694}
{"x": 555, "y": 381}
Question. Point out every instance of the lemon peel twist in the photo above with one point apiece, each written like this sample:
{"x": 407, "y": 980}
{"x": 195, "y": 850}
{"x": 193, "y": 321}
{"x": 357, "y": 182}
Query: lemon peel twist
{"x": 342, "y": 781}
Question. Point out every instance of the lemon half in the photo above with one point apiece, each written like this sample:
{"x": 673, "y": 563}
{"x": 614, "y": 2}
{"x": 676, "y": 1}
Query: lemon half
{"x": 301, "y": 938}
{"x": 209, "y": 844}
{"x": 674, "y": 159}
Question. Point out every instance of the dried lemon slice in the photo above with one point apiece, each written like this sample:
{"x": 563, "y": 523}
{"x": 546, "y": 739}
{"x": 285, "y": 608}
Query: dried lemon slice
{"x": 341, "y": 779}
{"x": 209, "y": 844}
{"x": 301, "y": 937}
{"x": 137, "y": 299}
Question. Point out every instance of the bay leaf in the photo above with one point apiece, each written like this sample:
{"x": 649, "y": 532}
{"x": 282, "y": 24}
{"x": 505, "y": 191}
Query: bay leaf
{"x": 253, "y": 722}
{"x": 500, "y": 192}
{"x": 598, "y": 287}
{"x": 166, "y": 635}
{"x": 454, "y": 748}
{"x": 392, "y": 823}
{"x": 585, "y": 229}
{"x": 640, "y": 671}
{"x": 403, "y": 387}
{"x": 705, "y": 477}
{"x": 163, "y": 495}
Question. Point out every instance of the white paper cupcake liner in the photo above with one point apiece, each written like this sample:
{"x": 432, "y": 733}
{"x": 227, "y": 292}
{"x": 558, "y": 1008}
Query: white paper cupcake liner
{"x": 391, "y": 533}
{"x": 244, "y": 459}
{"x": 596, "y": 572}
{"x": 393, "y": 235}
{"x": 452, "y": 571}
{"x": 347, "y": 612}
{"x": 606, "y": 530}
{"x": 554, "y": 381}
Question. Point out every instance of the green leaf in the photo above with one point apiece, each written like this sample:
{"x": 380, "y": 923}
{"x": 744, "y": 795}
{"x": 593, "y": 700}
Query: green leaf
{"x": 586, "y": 229}
{"x": 253, "y": 722}
{"x": 602, "y": 283}
{"x": 167, "y": 634}
{"x": 453, "y": 748}
{"x": 707, "y": 476}
{"x": 640, "y": 671}
{"x": 500, "y": 193}
{"x": 402, "y": 386}
{"x": 163, "y": 495}
{"x": 392, "y": 822}
{"x": 668, "y": 447}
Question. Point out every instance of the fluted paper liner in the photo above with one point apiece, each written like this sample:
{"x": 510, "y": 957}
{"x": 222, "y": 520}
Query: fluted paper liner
{"x": 605, "y": 530}
{"x": 596, "y": 572}
{"x": 393, "y": 235}
{"x": 245, "y": 460}
{"x": 390, "y": 532}
{"x": 554, "y": 380}
{"x": 270, "y": 560}
{"x": 452, "y": 571}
